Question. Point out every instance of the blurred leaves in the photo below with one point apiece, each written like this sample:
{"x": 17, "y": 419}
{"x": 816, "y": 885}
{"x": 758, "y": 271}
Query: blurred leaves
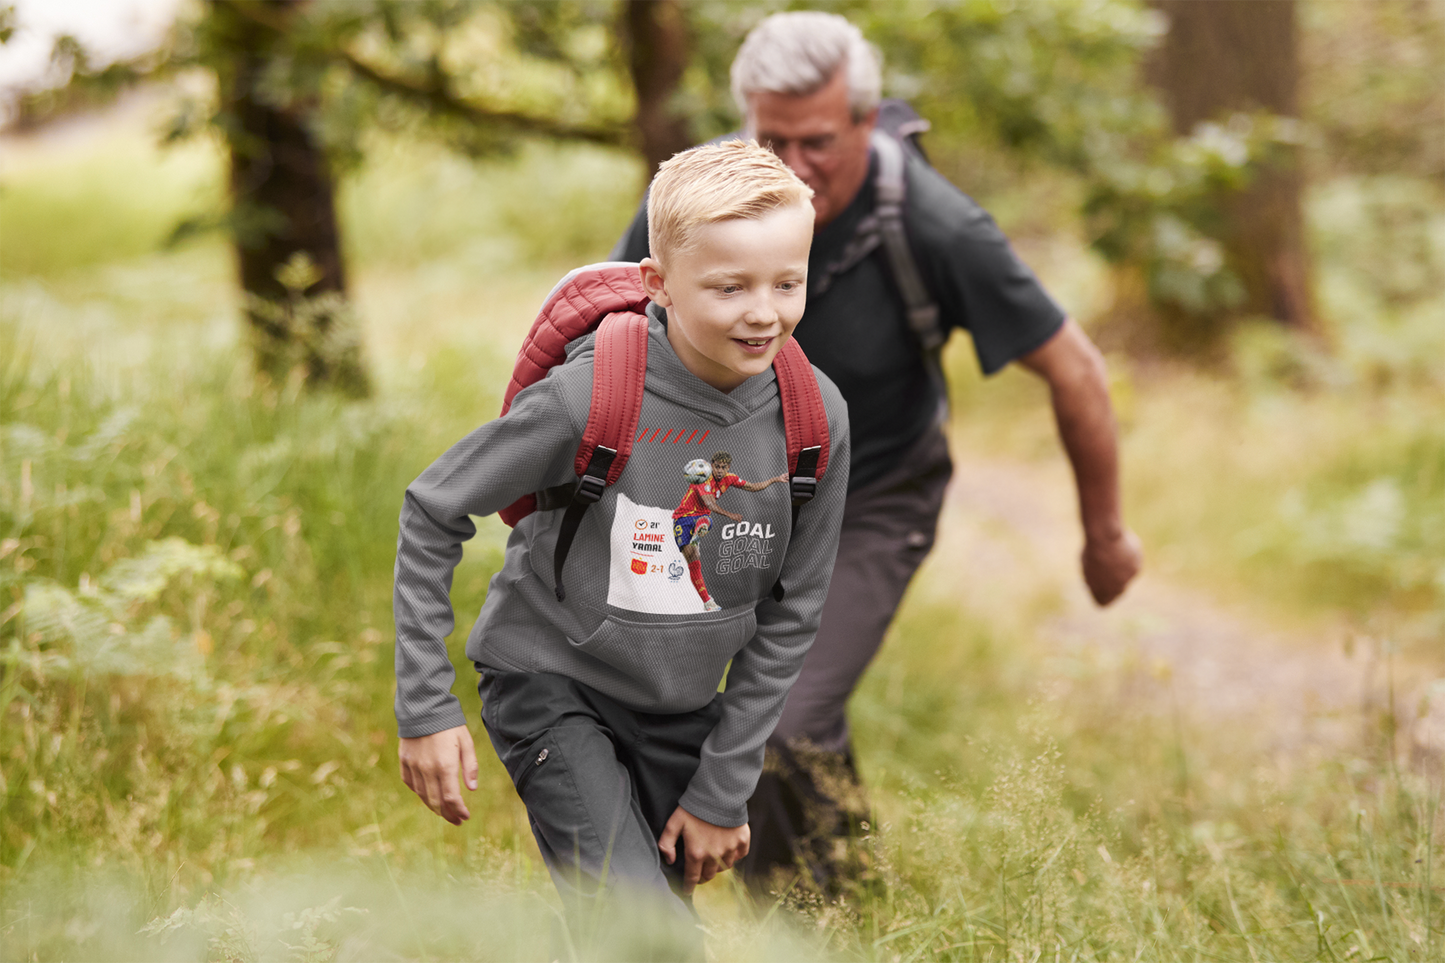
{"x": 1375, "y": 89}
{"x": 474, "y": 74}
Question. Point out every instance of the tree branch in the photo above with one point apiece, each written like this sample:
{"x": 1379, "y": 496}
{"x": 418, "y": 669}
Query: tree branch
{"x": 437, "y": 97}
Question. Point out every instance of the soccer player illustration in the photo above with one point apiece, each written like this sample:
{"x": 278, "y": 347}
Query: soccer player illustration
{"x": 693, "y": 517}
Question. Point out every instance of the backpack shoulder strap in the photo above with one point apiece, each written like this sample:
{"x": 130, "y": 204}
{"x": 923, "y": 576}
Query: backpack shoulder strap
{"x": 576, "y": 306}
{"x": 619, "y": 372}
{"x": 805, "y": 427}
{"x": 805, "y": 419}
{"x": 891, "y": 193}
{"x": 883, "y": 227}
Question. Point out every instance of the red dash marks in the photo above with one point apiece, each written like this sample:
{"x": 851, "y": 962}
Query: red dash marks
{"x": 680, "y": 436}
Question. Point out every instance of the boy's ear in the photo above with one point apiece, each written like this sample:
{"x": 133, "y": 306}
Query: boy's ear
{"x": 654, "y": 282}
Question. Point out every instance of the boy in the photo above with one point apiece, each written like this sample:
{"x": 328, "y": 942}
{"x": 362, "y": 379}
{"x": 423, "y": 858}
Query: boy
{"x": 604, "y": 708}
{"x": 693, "y": 517}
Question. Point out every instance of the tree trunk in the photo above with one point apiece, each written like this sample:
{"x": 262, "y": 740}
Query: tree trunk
{"x": 1223, "y": 56}
{"x": 283, "y": 218}
{"x": 655, "y": 35}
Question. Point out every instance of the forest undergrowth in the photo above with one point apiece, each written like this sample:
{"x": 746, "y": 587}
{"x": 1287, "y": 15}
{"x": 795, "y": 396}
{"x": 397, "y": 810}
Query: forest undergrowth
{"x": 197, "y": 750}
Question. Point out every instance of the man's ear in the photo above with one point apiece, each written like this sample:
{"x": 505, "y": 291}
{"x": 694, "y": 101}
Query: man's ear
{"x": 870, "y": 119}
{"x": 654, "y": 282}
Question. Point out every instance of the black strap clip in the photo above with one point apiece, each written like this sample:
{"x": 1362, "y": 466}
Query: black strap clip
{"x": 589, "y": 489}
{"x": 804, "y": 485}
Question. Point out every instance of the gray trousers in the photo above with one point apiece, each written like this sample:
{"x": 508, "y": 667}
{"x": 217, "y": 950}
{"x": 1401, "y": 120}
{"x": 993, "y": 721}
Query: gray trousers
{"x": 600, "y": 781}
{"x": 809, "y": 797}
{"x": 888, "y": 528}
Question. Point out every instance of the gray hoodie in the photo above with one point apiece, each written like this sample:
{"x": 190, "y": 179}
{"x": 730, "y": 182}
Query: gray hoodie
{"x": 633, "y": 626}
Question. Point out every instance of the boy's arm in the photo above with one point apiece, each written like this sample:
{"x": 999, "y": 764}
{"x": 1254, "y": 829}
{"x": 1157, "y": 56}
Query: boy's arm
{"x": 530, "y": 448}
{"x": 765, "y": 669}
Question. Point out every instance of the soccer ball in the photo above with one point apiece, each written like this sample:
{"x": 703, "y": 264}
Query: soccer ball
{"x": 697, "y": 471}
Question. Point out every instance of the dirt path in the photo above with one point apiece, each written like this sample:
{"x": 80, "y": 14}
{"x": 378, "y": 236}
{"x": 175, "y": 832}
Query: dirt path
{"x": 1014, "y": 525}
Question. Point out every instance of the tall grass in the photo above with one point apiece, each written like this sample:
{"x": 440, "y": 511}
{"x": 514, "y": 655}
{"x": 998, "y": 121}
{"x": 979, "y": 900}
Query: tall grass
{"x": 196, "y": 738}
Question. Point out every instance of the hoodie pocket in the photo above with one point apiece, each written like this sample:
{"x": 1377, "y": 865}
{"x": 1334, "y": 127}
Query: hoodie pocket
{"x": 682, "y": 662}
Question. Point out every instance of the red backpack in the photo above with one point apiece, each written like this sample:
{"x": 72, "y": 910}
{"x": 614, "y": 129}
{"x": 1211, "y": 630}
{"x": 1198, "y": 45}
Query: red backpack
{"x": 609, "y": 298}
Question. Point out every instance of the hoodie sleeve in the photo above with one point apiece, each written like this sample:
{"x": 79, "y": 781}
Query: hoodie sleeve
{"x": 524, "y": 451}
{"x": 766, "y": 668}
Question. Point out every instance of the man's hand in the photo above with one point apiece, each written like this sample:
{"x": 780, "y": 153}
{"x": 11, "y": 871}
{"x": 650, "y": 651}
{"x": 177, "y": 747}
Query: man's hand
{"x": 1079, "y": 390}
{"x": 709, "y": 849}
{"x": 429, "y": 767}
{"x": 1110, "y": 564}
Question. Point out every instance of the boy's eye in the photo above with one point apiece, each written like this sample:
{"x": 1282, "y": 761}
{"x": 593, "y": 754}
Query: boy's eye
{"x": 790, "y": 285}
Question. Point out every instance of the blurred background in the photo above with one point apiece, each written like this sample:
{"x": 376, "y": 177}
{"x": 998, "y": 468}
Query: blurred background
{"x": 260, "y": 263}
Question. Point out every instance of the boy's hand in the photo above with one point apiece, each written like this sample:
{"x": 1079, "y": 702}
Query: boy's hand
{"x": 735, "y": 517}
{"x": 429, "y": 766}
{"x": 709, "y": 849}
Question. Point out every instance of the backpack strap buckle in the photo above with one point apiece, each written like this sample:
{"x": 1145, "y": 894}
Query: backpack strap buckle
{"x": 590, "y": 488}
{"x": 803, "y": 484}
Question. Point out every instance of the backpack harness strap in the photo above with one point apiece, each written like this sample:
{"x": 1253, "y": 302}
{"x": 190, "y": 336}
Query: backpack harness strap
{"x": 892, "y": 191}
{"x": 619, "y": 370}
{"x": 884, "y": 227}
{"x": 805, "y": 426}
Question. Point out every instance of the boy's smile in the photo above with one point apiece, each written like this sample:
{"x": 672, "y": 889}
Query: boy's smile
{"x": 734, "y": 294}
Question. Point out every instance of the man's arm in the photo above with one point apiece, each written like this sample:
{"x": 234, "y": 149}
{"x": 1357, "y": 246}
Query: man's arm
{"x": 1079, "y": 389}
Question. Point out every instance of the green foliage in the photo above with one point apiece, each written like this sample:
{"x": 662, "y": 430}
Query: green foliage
{"x": 475, "y": 75}
{"x": 1375, "y": 90}
{"x": 85, "y": 214}
{"x": 1326, "y": 470}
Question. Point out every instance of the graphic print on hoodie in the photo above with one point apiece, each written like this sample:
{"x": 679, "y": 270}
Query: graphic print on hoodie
{"x": 660, "y": 571}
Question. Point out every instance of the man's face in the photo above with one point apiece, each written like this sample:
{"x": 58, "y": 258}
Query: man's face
{"x": 720, "y": 469}
{"x": 735, "y": 294}
{"x": 816, "y": 136}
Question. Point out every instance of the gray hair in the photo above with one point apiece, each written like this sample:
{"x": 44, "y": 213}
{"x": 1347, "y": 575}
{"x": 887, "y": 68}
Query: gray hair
{"x": 798, "y": 53}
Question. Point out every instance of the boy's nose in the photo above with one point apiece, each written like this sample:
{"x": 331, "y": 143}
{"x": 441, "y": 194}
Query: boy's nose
{"x": 762, "y": 313}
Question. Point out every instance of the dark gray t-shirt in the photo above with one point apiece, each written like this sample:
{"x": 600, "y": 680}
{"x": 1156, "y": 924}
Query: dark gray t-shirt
{"x": 857, "y": 333}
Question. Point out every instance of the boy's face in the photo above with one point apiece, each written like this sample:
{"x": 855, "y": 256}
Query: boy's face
{"x": 734, "y": 296}
{"x": 720, "y": 469}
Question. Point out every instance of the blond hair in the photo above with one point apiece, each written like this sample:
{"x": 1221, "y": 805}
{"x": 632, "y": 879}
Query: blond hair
{"x": 736, "y": 179}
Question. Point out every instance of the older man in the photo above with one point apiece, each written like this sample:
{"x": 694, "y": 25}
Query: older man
{"x": 808, "y": 85}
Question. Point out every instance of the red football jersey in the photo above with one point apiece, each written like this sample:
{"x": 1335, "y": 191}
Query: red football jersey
{"x": 692, "y": 503}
